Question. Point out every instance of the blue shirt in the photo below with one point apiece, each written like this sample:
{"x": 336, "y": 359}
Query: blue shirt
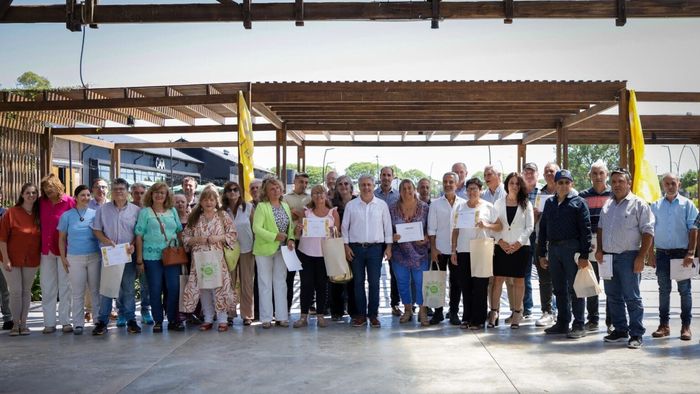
{"x": 390, "y": 198}
{"x": 81, "y": 240}
{"x": 565, "y": 221}
{"x": 674, "y": 219}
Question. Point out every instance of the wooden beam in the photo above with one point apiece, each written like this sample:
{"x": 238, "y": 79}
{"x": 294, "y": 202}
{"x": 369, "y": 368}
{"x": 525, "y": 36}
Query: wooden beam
{"x": 136, "y": 113}
{"x": 284, "y": 158}
{"x": 421, "y": 126}
{"x": 296, "y": 136}
{"x": 199, "y": 109}
{"x": 557, "y": 147}
{"x": 674, "y": 97}
{"x": 4, "y": 6}
{"x": 46, "y": 152}
{"x": 88, "y": 141}
{"x": 587, "y": 114}
{"x": 522, "y": 157}
{"x": 178, "y": 144}
{"x": 536, "y": 135}
{"x": 564, "y": 147}
{"x": 166, "y": 111}
{"x": 157, "y": 130}
{"x": 481, "y": 134}
{"x": 420, "y": 144}
{"x": 352, "y": 135}
{"x": 623, "y": 121}
{"x": 649, "y": 123}
{"x": 231, "y": 107}
{"x": 262, "y": 110}
{"x": 507, "y": 133}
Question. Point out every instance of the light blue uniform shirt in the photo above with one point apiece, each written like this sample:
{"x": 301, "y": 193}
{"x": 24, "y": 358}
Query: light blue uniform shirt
{"x": 674, "y": 219}
{"x": 390, "y": 198}
{"x": 81, "y": 240}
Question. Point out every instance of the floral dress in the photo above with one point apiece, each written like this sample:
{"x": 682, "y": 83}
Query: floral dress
{"x": 410, "y": 254}
{"x": 224, "y": 296}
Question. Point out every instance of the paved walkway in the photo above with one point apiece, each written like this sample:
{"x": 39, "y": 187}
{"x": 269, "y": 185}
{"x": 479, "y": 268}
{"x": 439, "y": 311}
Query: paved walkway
{"x": 394, "y": 358}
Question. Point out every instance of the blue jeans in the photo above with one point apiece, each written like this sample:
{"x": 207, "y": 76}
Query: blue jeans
{"x": 370, "y": 260}
{"x": 663, "y": 275}
{"x": 126, "y": 302}
{"x": 145, "y": 295}
{"x": 410, "y": 282}
{"x": 527, "y": 297}
{"x": 563, "y": 269}
{"x": 159, "y": 278}
{"x": 623, "y": 290}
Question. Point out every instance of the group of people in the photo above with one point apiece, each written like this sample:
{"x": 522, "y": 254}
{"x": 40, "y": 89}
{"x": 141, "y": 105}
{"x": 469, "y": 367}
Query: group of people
{"x": 554, "y": 227}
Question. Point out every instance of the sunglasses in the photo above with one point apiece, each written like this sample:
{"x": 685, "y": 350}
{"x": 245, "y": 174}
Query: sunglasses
{"x": 344, "y": 183}
{"x": 563, "y": 182}
{"x": 231, "y": 190}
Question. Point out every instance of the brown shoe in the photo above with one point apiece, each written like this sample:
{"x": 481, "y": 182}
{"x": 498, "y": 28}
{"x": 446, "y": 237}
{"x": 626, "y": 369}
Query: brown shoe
{"x": 359, "y": 322}
{"x": 686, "y": 335}
{"x": 395, "y": 310}
{"x": 374, "y": 322}
{"x": 407, "y": 314}
{"x": 663, "y": 331}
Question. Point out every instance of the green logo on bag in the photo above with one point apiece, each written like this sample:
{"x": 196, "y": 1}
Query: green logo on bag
{"x": 433, "y": 289}
{"x": 208, "y": 270}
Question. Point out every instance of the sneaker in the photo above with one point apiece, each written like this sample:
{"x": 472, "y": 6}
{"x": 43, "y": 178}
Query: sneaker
{"x": 14, "y": 331}
{"x": 49, "y": 330}
{"x": 67, "y": 328}
{"x": 454, "y": 319}
{"x": 8, "y": 325}
{"x": 359, "y": 322}
{"x": 395, "y": 310}
{"x": 24, "y": 330}
{"x": 576, "y": 332}
{"x": 100, "y": 329}
{"x": 374, "y": 322}
{"x": 635, "y": 342}
{"x": 78, "y": 331}
{"x": 616, "y": 336}
{"x": 121, "y": 321}
{"x": 663, "y": 331}
{"x": 557, "y": 329}
{"x": 132, "y": 327}
{"x": 146, "y": 317}
{"x": 544, "y": 321}
{"x": 591, "y": 326}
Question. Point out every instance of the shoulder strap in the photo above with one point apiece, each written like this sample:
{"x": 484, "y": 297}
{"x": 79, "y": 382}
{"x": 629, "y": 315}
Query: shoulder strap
{"x": 162, "y": 229}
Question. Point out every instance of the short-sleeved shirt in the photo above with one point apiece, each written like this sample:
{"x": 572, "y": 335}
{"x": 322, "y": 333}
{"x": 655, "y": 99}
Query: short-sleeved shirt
{"x": 486, "y": 213}
{"x": 494, "y": 196}
{"x": 81, "y": 239}
{"x": 147, "y": 227}
{"x": 93, "y": 204}
{"x": 595, "y": 202}
{"x": 410, "y": 254}
{"x": 23, "y": 237}
{"x": 624, "y": 222}
{"x": 49, "y": 214}
{"x": 673, "y": 220}
{"x": 117, "y": 224}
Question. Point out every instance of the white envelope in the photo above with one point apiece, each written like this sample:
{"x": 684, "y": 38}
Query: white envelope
{"x": 605, "y": 269}
{"x": 679, "y": 272}
{"x": 290, "y": 259}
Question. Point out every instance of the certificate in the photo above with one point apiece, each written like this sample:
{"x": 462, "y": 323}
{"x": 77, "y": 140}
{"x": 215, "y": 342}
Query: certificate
{"x": 410, "y": 232}
{"x": 115, "y": 255}
{"x": 315, "y": 227}
{"x": 290, "y": 259}
{"x": 679, "y": 272}
{"x": 466, "y": 218}
{"x": 540, "y": 200}
{"x": 605, "y": 268}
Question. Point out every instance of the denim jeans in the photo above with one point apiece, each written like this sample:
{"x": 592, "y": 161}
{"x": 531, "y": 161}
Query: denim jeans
{"x": 367, "y": 260}
{"x": 527, "y": 296}
{"x": 623, "y": 290}
{"x": 126, "y": 299}
{"x": 663, "y": 275}
{"x": 162, "y": 278}
{"x": 563, "y": 269}
{"x": 410, "y": 282}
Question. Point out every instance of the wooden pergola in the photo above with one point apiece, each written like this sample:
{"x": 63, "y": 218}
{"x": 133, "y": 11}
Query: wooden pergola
{"x": 355, "y": 114}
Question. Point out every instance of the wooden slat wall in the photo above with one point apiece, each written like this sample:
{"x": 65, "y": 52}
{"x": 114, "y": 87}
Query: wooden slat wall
{"x": 19, "y": 160}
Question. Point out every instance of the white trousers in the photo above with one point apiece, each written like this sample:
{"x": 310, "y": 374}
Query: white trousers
{"x": 84, "y": 270}
{"x": 54, "y": 285}
{"x": 272, "y": 275}
{"x": 206, "y": 296}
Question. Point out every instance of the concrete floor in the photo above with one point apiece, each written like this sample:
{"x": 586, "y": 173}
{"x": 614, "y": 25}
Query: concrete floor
{"x": 394, "y": 358}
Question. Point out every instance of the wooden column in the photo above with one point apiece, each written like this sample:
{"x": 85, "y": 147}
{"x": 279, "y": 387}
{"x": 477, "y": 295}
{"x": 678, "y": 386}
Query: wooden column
{"x": 559, "y": 143}
{"x": 564, "y": 147}
{"x": 47, "y": 152}
{"x": 116, "y": 163}
{"x": 522, "y": 156}
{"x": 278, "y": 145}
{"x": 622, "y": 132}
{"x": 302, "y": 148}
{"x": 284, "y": 155}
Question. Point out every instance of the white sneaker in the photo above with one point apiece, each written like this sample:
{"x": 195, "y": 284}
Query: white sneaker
{"x": 545, "y": 320}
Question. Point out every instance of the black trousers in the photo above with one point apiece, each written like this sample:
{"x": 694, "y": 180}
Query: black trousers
{"x": 290, "y": 287}
{"x": 455, "y": 293}
{"x": 395, "y": 298}
{"x": 474, "y": 291}
{"x": 313, "y": 281}
{"x": 340, "y": 293}
{"x": 592, "y": 302}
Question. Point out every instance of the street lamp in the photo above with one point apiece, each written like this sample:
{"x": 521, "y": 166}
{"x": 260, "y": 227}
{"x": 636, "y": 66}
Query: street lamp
{"x": 377, "y": 156}
{"x": 670, "y": 164}
{"x": 324, "y": 163}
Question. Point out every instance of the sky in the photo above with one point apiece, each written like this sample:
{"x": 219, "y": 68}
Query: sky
{"x": 651, "y": 54}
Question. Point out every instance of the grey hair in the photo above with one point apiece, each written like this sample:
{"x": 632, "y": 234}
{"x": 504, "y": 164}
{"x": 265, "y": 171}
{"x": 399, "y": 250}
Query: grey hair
{"x": 492, "y": 168}
{"x": 342, "y": 178}
{"x": 137, "y": 185}
{"x": 551, "y": 163}
{"x": 366, "y": 176}
{"x": 600, "y": 164}
{"x": 670, "y": 175}
{"x": 452, "y": 174}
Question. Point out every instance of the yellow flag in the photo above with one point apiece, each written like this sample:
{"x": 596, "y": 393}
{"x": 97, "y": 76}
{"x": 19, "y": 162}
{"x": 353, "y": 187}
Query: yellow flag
{"x": 645, "y": 183}
{"x": 245, "y": 146}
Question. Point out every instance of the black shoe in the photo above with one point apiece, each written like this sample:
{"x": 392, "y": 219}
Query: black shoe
{"x": 591, "y": 326}
{"x": 635, "y": 342}
{"x": 454, "y": 319}
{"x": 132, "y": 327}
{"x": 437, "y": 318}
{"x": 8, "y": 325}
{"x": 576, "y": 332}
{"x": 557, "y": 329}
{"x": 429, "y": 311}
{"x": 177, "y": 326}
{"x": 100, "y": 329}
{"x": 158, "y": 327}
{"x": 616, "y": 336}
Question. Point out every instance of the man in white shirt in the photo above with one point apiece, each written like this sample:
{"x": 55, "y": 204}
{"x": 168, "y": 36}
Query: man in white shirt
{"x": 366, "y": 230}
{"x": 440, "y": 234}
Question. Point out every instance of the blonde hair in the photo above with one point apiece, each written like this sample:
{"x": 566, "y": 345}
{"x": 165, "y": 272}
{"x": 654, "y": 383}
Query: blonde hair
{"x": 266, "y": 185}
{"x": 208, "y": 192}
{"x": 148, "y": 198}
{"x": 52, "y": 181}
{"x": 322, "y": 189}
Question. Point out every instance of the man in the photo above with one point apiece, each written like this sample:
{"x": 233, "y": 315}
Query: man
{"x": 440, "y": 218}
{"x": 424, "y": 190}
{"x": 254, "y": 189}
{"x": 461, "y": 170}
{"x": 99, "y": 194}
{"x": 625, "y": 230}
{"x": 565, "y": 229}
{"x": 390, "y": 196}
{"x": 494, "y": 186}
{"x": 550, "y": 171}
{"x": 596, "y": 197}
{"x": 297, "y": 200}
{"x": 189, "y": 187}
{"x": 330, "y": 183}
{"x": 7, "y": 322}
{"x": 675, "y": 238}
{"x": 138, "y": 191}
{"x": 367, "y": 234}
{"x": 114, "y": 225}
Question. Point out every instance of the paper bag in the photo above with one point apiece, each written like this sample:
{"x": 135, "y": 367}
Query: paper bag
{"x": 585, "y": 283}
{"x": 481, "y": 251}
{"x": 434, "y": 287}
{"x": 208, "y": 266}
{"x": 111, "y": 280}
{"x": 334, "y": 257}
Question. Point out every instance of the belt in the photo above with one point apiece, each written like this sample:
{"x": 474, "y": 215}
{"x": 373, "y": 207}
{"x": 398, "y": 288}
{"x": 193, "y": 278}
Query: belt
{"x": 672, "y": 251}
{"x": 563, "y": 241}
{"x": 364, "y": 244}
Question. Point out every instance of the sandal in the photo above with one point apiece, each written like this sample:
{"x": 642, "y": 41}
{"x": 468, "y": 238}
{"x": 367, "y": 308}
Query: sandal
{"x": 247, "y": 322}
{"x": 493, "y": 318}
{"x": 223, "y": 327}
{"x": 206, "y": 326}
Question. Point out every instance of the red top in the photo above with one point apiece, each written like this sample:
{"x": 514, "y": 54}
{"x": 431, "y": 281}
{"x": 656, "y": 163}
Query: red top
{"x": 22, "y": 235}
{"x": 49, "y": 213}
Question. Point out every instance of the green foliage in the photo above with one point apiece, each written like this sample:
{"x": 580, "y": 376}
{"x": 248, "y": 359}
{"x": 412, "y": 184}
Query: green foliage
{"x": 315, "y": 173}
{"x": 412, "y": 174}
{"x": 581, "y": 157}
{"x": 32, "y": 81}
{"x": 355, "y": 170}
{"x": 689, "y": 179}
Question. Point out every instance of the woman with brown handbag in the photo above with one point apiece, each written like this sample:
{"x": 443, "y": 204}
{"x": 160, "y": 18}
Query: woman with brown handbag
{"x": 159, "y": 226}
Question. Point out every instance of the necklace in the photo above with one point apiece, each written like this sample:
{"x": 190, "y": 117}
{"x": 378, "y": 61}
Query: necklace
{"x": 29, "y": 212}
{"x": 82, "y": 218}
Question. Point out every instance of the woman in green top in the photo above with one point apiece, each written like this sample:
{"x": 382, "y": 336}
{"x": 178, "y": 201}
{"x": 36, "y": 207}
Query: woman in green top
{"x": 272, "y": 226}
{"x": 150, "y": 242}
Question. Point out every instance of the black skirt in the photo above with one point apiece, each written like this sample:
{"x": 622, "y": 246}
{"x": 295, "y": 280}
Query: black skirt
{"x": 514, "y": 265}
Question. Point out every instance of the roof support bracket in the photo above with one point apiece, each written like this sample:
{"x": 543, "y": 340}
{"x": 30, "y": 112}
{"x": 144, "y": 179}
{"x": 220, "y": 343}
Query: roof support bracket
{"x": 621, "y": 13}
{"x": 435, "y": 21}
{"x": 508, "y": 11}
{"x": 299, "y": 12}
{"x": 247, "y": 18}
{"x": 74, "y": 20}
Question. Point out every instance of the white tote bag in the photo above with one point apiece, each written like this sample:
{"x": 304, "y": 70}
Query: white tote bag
{"x": 585, "y": 283}
{"x": 434, "y": 287}
{"x": 209, "y": 266}
{"x": 481, "y": 253}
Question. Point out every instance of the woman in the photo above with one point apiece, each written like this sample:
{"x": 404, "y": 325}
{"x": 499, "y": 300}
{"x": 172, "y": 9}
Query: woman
{"x": 183, "y": 212}
{"x": 512, "y": 259}
{"x": 54, "y": 280}
{"x": 20, "y": 247}
{"x": 343, "y": 195}
{"x": 81, "y": 261}
{"x": 474, "y": 290}
{"x": 209, "y": 229}
{"x": 313, "y": 275}
{"x": 272, "y": 226}
{"x": 157, "y": 225}
{"x": 182, "y": 208}
{"x": 241, "y": 212}
{"x": 410, "y": 259}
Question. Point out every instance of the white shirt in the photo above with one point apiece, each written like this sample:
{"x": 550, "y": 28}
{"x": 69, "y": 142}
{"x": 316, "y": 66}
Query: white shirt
{"x": 440, "y": 222}
{"x": 486, "y": 213}
{"x": 367, "y": 222}
{"x": 243, "y": 227}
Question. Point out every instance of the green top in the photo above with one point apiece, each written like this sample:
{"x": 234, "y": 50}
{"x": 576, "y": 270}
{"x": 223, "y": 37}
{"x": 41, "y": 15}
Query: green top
{"x": 265, "y": 229}
{"x": 147, "y": 227}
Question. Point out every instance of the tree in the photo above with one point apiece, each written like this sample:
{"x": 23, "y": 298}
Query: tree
{"x": 581, "y": 157}
{"x": 32, "y": 81}
{"x": 355, "y": 170}
{"x": 688, "y": 179}
{"x": 413, "y": 174}
{"x": 315, "y": 173}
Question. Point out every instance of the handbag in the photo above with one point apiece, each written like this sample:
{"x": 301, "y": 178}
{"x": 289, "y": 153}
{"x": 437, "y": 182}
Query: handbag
{"x": 231, "y": 255}
{"x": 585, "y": 283}
{"x": 434, "y": 287}
{"x": 172, "y": 254}
{"x": 337, "y": 266}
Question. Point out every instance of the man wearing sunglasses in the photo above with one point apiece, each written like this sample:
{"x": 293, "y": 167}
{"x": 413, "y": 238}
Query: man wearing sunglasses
{"x": 565, "y": 229}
